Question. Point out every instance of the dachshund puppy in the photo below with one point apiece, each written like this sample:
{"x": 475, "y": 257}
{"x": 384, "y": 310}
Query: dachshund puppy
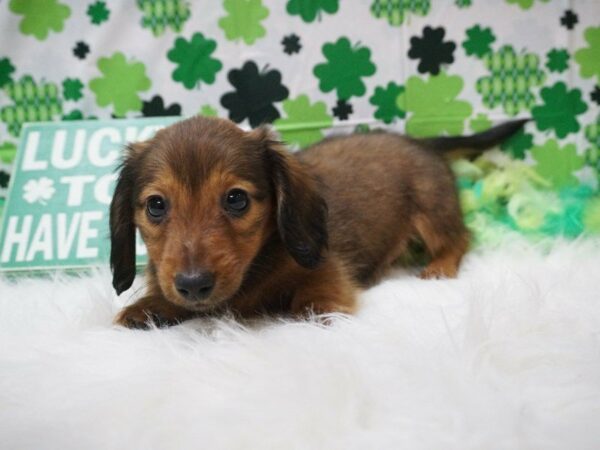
{"x": 231, "y": 220}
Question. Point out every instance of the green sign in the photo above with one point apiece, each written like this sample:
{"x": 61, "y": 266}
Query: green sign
{"x": 56, "y": 215}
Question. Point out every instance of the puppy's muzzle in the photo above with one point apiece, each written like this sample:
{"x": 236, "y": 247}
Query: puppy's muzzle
{"x": 194, "y": 286}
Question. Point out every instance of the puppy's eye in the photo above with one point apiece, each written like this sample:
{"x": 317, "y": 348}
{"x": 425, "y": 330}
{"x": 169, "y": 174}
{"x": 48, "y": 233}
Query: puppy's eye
{"x": 156, "y": 206}
{"x": 236, "y": 201}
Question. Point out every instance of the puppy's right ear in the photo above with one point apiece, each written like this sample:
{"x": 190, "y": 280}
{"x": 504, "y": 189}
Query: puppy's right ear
{"x": 122, "y": 227}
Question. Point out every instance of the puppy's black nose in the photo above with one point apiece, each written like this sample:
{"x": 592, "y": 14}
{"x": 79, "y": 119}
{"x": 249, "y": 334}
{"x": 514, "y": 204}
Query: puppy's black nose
{"x": 194, "y": 286}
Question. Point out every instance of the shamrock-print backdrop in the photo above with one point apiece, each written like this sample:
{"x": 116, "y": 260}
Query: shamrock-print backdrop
{"x": 313, "y": 67}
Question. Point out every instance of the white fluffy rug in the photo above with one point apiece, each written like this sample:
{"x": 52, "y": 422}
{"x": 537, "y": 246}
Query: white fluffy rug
{"x": 505, "y": 357}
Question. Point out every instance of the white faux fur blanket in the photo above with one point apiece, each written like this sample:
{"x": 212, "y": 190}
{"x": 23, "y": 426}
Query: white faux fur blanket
{"x": 505, "y": 357}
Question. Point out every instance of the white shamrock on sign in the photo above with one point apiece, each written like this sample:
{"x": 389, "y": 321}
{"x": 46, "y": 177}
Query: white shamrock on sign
{"x": 39, "y": 190}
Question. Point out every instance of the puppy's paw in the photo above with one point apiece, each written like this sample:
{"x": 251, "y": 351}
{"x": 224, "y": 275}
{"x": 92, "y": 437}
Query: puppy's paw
{"x": 436, "y": 271}
{"x": 138, "y": 316}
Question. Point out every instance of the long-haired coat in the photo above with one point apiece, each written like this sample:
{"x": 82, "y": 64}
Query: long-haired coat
{"x": 233, "y": 220}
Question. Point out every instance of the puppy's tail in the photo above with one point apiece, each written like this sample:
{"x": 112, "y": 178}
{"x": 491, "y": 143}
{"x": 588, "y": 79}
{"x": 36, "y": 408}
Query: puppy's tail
{"x": 476, "y": 143}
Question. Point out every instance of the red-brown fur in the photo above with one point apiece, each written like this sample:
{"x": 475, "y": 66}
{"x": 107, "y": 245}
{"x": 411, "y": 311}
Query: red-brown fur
{"x": 321, "y": 223}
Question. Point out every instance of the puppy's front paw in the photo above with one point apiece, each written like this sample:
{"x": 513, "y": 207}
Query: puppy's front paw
{"x": 153, "y": 309}
{"x": 135, "y": 317}
{"x": 434, "y": 271}
{"x": 143, "y": 314}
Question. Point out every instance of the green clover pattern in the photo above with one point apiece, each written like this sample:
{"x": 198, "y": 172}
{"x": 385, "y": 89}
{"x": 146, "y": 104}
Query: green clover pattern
{"x": 243, "y": 20}
{"x": 345, "y": 67}
{"x": 344, "y": 64}
{"x": 433, "y": 105}
{"x": 304, "y": 122}
{"x": 159, "y": 15}
{"x": 120, "y": 83}
{"x": 31, "y": 102}
{"x": 510, "y": 81}
{"x": 588, "y": 58}
{"x": 560, "y": 110}
{"x": 397, "y": 11}
{"x": 40, "y": 17}
{"x": 194, "y": 61}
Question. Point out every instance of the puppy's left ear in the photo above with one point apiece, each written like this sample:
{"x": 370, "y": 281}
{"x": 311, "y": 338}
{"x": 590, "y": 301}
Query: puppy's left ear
{"x": 301, "y": 210}
{"x": 122, "y": 227}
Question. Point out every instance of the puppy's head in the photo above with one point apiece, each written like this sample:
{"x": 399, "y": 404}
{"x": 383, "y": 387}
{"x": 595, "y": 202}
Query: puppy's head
{"x": 206, "y": 196}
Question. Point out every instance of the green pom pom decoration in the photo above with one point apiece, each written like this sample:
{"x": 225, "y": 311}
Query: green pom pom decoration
{"x": 500, "y": 195}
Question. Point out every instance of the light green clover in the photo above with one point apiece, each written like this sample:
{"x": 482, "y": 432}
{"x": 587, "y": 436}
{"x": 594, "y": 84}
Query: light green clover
{"x": 208, "y": 111}
{"x": 304, "y": 121}
{"x": 591, "y": 216}
{"x": 120, "y": 84}
{"x": 40, "y": 16}
{"x": 8, "y": 151}
{"x": 243, "y": 20}
{"x": 524, "y": 4}
{"x": 589, "y": 58}
{"x": 557, "y": 164}
{"x": 433, "y": 105}
{"x": 480, "y": 122}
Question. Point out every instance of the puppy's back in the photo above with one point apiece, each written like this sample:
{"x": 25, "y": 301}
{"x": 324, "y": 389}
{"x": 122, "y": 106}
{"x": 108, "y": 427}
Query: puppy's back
{"x": 375, "y": 186}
